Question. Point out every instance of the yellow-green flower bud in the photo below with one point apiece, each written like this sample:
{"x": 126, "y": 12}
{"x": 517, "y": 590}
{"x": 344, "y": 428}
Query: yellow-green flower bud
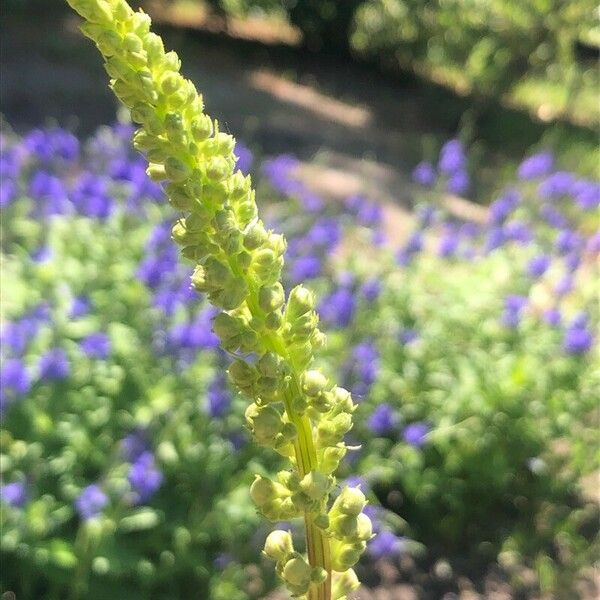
{"x": 332, "y": 457}
{"x": 263, "y": 490}
{"x": 170, "y": 82}
{"x": 199, "y": 278}
{"x": 313, "y": 383}
{"x": 174, "y": 127}
{"x": 154, "y": 47}
{"x": 265, "y": 423}
{"x": 322, "y": 521}
{"x": 271, "y": 297}
{"x": 201, "y": 127}
{"x": 274, "y": 320}
{"x": 270, "y": 365}
{"x": 345, "y": 556}
{"x": 297, "y": 572}
{"x": 242, "y": 375}
{"x": 344, "y": 526}
{"x": 156, "y": 172}
{"x": 343, "y": 584}
{"x": 171, "y": 62}
{"x": 176, "y": 170}
{"x": 350, "y": 502}
{"x": 240, "y": 187}
{"x": 132, "y": 43}
{"x": 255, "y": 237}
{"x": 364, "y": 529}
{"x": 266, "y": 265}
{"x": 300, "y": 302}
{"x": 318, "y": 575}
{"x": 278, "y": 545}
{"x": 315, "y": 485}
{"x": 217, "y": 168}
{"x": 224, "y": 143}
{"x": 331, "y": 431}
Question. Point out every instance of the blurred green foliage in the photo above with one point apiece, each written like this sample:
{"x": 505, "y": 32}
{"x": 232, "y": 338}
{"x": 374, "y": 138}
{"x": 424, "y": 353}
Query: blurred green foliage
{"x": 510, "y": 414}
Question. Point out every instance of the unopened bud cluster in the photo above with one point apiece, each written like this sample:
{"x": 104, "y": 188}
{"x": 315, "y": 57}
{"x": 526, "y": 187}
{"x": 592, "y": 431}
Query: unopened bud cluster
{"x": 295, "y": 409}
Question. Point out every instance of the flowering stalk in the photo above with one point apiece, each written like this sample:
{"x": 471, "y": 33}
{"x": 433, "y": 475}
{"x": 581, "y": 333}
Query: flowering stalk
{"x": 295, "y": 409}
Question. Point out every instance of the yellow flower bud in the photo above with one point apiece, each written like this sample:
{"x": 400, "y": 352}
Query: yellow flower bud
{"x": 156, "y": 172}
{"x": 278, "y": 545}
{"x": 313, "y": 383}
{"x": 176, "y": 170}
{"x": 297, "y": 572}
{"x": 344, "y": 583}
{"x": 271, "y": 297}
{"x": 351, "y": 501}
{"x": 315, "y": 485}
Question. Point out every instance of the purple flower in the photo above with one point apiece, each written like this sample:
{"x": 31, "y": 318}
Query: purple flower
{"x": 593, "y": 243}
{"x": 41, "y": 255}
{"x": 386, "y": 544}
{"x": 54, "y": 365}
{"x": 218, "y": 398}
{"x": 452, "y": 157}
{"x": 96, "y": 345}
{"x": 538, "y": 265}
{"x": 564, "y": 286}
{"x": 458, "y": 183}
{"x": 424, "y": 174}
{"x": 413, "y": 246}
{"x": 52, "y": 143}
{"x": 90, "y": 502}
{"x": 80, "y": 306}
{"x": 517, "y": 231}
{"x": 513, "y": 307}
{"x": 501, "y": 208}
{"x": 415, "y": 434}
{"x": 409, "y": 335}
{"x": 90, "y": 197}
{"x": 552, "y": 316}
{"x": 426, "y": 215}
{"x": 325, "y": 234}
{"x": 50, "y": 195}
{"x": 311, "y": 202}
{"x": 134, "y": 444}
{"x": 144, "y": 477}
{"x": 14, "y": 381}
{"x": 449, "y": 242}
{"x": 337, "y": 309}
{"x": 494, "y": 239}
{"x": 580, "y": 320}
{"x": 244, "y": 158}
{"x": 280, "y": 173}
{"x": 305, "y": 267}
{"x": 371, "y": 289}
{"x": 586, "y": 194}
{"x": 14, "y": 494}
{"x": 572, "y": 262}
{"x": 15, "y": 336}
{"x": 567, "y": 241}
{"x": 556, "y": 185}
{"x": 370, "y": 214}
{"x": 362, "y": 369}
{"x": 382, "y": 420}
{"x": 535, "y": 166}
{"x": 577, "y": 340}
{"x": 553, "y": 216}
{"x": 8, "y": 192}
